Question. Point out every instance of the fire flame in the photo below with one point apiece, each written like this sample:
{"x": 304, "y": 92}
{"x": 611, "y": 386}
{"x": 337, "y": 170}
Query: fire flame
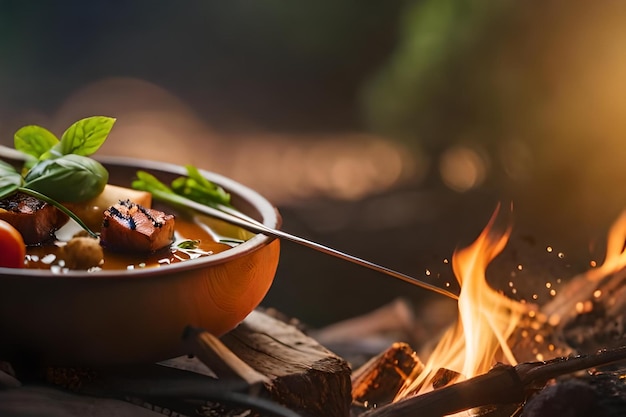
{"x": 615, "y": 258}
{"x": 486, "y": 318}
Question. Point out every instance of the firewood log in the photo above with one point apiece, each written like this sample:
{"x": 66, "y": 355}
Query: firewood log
{"x": 297, "y": 371}
{"x": 499, "y": 386}
{"x": 587, "y": 315}
{"x": 378, "y": 381}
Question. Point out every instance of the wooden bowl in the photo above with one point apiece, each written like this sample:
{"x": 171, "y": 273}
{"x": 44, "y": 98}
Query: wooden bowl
{"x": 137, "y": 316}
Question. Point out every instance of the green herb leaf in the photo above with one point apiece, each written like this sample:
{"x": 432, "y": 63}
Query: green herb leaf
{"x": 69, "y": 178}
{"x": 59, "y": 170}
{"x": 196, "y": 187}
{"x": 148, "y": 182}
{"x": 84, "y": 137}
{"x": 189, "y": 244}
{"x": 231, "y": 241}
{"x": 34, "y": 140}
{"x": 10, "y": 180}
{"x": 194, "y": 174}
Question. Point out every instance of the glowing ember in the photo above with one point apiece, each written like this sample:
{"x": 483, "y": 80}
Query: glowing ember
{"x": 486, "y": 320}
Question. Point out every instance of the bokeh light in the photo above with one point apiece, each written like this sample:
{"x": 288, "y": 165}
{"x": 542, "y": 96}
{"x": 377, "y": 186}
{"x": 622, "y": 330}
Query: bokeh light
{"x": 462, "y": 168}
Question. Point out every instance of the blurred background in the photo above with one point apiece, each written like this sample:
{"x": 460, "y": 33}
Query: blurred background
{"x": 390, "y": 130}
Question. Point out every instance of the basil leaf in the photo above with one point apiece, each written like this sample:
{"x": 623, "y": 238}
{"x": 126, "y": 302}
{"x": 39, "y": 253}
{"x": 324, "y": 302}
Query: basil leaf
{"x": 7, "y": 169}
{"x": 10, "y": 180}
{"x": 69, "y": 178}
{"x": 85, "y": 136}
{"x": 34, "y": 140}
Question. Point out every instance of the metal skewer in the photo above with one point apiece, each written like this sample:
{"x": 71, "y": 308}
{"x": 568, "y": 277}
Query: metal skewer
{"x": 239, "y": 219}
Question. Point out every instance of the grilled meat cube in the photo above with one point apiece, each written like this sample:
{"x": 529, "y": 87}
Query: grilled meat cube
{"x": 129, "y": 227}
{"x": 36, "y": 220}
{"x": 91, "y": 211}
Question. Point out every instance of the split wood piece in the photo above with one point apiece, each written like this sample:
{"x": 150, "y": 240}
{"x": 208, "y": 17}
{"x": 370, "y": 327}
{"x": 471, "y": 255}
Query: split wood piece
{"x": 377, "y": 382}
{"x": 444, "y": 377}
{"x": 294, "y": 368}
{"x": 503, "y": 385}
{"x": 303, "y": 375}
{"x": 499, "y": 386}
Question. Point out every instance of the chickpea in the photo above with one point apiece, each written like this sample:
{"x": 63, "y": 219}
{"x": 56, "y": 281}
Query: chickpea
{"x": 82, "y": 253}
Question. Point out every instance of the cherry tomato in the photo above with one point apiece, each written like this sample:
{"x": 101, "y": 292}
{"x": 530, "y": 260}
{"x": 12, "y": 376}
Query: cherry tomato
{"x": 12, "y": 247}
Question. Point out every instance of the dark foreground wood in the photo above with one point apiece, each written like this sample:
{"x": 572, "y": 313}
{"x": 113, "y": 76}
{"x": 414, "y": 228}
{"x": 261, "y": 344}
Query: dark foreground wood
{"x": 263, "y": 367}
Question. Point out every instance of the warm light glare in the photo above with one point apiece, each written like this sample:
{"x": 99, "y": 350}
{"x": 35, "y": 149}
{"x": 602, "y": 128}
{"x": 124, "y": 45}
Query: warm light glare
{"x": 351, "y": 169}
{"x": 462, "y": 168}
{"x": 283, "y": 167}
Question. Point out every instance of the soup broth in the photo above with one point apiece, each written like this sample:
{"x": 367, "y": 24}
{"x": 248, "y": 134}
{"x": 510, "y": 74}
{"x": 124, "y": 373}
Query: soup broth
{"x": 194, "y": 238}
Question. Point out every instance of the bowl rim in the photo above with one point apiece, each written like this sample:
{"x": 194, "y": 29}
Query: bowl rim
{"x": 270, "y": 217}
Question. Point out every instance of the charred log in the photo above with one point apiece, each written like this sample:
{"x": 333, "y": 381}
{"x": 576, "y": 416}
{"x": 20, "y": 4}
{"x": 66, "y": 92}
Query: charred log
{"x": 377, "y": 382}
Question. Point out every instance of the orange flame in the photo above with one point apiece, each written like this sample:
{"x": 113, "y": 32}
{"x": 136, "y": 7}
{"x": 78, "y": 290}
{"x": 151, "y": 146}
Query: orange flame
{"x": 615, "y": 258}
{"x": 486, "y": 319}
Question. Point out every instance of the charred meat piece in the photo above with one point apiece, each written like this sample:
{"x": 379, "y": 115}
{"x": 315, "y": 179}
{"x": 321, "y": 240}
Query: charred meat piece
{"x": 36, "y": 220}
{"x": 129, "y": 227}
